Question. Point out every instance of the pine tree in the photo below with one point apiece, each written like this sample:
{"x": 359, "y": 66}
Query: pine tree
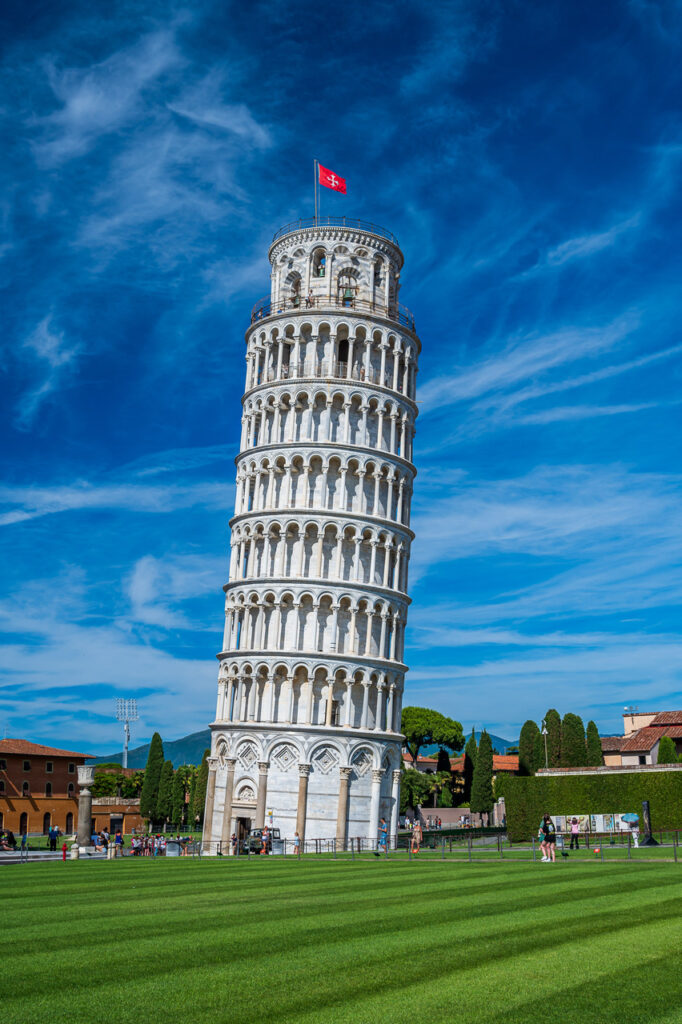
{"x": 197, "y": 810}
{"x": 164, "y": 801}
{"x": 553, "y": 727}
{"x": 529, "y": 732}
{"x": 482, "y": 799}
{"x": 152, "y": 778}
{"x": 595, "y": 758}
{"x": 179, "y": 791}
{"x": 470, "y": 756}
{"x": 538, "y": 752}
{"x": 573, "y": 746}
{"x": 666, "y": 751}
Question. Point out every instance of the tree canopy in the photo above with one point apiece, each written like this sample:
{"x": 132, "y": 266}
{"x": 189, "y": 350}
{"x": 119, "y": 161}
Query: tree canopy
{"x": 423, "y": 727}
{"x": 152, "y": 778}
{"x": 667, "y": 753}
{"x": 482, "y": 798}
{"x": 196, "y": 810}
{"x": 529, "y": 733}
{"x": 164, "y": 801}
{"x": 573, "y": 747}
{"x": 595, "y": 757}
{"x": 470, "y": 756}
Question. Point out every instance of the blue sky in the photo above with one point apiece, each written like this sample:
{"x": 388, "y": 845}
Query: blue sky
{"x": 528, "y": 158}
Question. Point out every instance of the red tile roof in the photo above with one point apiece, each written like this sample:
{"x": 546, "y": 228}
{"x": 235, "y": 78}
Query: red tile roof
{"x": 611, "y": 742}
{"x": 667, "y": 718}
{"x": 501, "y": 763}
{"x": 645, "y": 739}
{"x": 36, "y": 749}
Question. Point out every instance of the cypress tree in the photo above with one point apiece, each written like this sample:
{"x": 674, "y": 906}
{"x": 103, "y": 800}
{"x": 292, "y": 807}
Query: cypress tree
{"x": 573, "y": 746}
{"x": 594, "y": 751}
{"x": 190, "y": 802}
{"x": 200, "y": 790}
{"x": 164, "y": 801}
{"x": 538, "y": 752}
{"x": 152, "y": 778}
{"x": 529, "y": 732}
{"x": 470, "y": 756}
{"x": 666, "y": 751}
{"x": 179, "y": 790}
{"x": 482, "y": 799}
{"x": 553, "y": 726}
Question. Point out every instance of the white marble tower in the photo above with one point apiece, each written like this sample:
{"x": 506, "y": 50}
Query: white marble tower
{"x": 307, "y": 727}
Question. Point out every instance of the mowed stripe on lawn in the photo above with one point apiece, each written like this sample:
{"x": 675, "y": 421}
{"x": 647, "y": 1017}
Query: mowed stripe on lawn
{"x": 325, "y": 941}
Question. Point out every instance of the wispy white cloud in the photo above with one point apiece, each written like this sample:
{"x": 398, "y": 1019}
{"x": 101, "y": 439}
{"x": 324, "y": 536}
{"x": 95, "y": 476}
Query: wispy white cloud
{"x": 32, "y": 502}
{"x": 49, "y": 354}
{"x": 524, "y": 358}
{"x": 587, "y": 245}
{"x": 100, "y": 98}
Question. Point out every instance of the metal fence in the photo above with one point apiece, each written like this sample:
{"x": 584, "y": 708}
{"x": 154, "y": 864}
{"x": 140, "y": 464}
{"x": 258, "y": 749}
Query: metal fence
{"x": 396, "y": 311}
{"x": 471, "y": 846}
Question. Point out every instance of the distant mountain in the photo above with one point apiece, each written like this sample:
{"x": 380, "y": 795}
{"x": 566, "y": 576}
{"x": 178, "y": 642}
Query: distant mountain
{"x": 188, "y": 750}
{"x": 499, "y": 744}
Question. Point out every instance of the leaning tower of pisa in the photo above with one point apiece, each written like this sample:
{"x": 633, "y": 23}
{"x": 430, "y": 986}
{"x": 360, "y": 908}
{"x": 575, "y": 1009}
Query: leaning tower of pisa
{"x": 307, "y": 729}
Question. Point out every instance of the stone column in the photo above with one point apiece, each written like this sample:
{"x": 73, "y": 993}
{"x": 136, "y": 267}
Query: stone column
{"x": 377, "y": 775}
{"x": 262, "y": 792}
{"x": 342, "y": 812}
{"x": 210, "y": 798}
{"x": 86, "y": 777}
{"x": 227, "y": 809}
{"x": 395, "y": 801}
{"x": 303, "y": 773}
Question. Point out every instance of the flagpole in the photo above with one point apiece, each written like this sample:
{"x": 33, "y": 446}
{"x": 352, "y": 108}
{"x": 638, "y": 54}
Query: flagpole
{"x": 315, "y": 186}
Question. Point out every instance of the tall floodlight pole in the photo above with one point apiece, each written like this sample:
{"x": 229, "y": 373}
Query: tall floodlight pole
{"x": 126, "y": 712}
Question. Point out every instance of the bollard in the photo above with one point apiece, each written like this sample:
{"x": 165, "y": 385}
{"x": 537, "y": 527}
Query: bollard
{"x": 470, "y": 847}
{"x": 442, "y": 856}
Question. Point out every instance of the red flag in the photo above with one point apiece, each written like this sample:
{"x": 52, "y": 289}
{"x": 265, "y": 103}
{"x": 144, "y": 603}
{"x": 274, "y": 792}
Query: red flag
{"x": 331, "y": 180}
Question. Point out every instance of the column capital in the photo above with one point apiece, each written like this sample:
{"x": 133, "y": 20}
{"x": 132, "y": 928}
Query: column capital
{"x": 396, "y": 775}
{"x": 231, "y": 763}
{"x": 263, "y": 767}
{"x": 304, "y": 770}
{"x": 212, "y": 763}
{"x": 377, "y": 775}
{"x": 345, "y": 770}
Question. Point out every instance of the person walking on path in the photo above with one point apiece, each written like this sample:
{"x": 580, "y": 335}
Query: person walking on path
{"x": 549, "y": 834}
{"x": 297, "y": 844}
{"x": 416, "y": 837}
{"x": 383, "y": 835}
{"x": 575, "y": 833}
{"x": 118, "y": 843}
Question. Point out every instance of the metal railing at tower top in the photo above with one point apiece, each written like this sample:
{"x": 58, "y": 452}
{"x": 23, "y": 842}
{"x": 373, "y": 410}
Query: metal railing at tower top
{"x": 396, "y": 311}
{"x": 335, "y": 222}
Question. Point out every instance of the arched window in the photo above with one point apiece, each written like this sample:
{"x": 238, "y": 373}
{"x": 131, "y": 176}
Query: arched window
{"x": 26, "y": 789}
{"x": 23, "y": 823}
{"x": 48, "y": 789}
{"x": 319, "y": 263}
{"x": 69, "y": 823}
{"x": 70, "y": 789}
{"x": 346, "y": 287}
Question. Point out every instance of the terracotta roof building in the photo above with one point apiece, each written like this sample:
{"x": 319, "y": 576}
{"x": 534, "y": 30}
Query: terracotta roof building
{"x": 38, "y": 787}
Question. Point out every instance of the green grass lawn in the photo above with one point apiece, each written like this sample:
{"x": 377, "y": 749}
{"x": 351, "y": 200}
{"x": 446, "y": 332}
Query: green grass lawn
{"x": 338, "y": 941}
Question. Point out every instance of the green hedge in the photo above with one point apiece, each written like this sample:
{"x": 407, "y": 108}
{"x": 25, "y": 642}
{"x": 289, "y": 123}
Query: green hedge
{"x": 527, "y": 799}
